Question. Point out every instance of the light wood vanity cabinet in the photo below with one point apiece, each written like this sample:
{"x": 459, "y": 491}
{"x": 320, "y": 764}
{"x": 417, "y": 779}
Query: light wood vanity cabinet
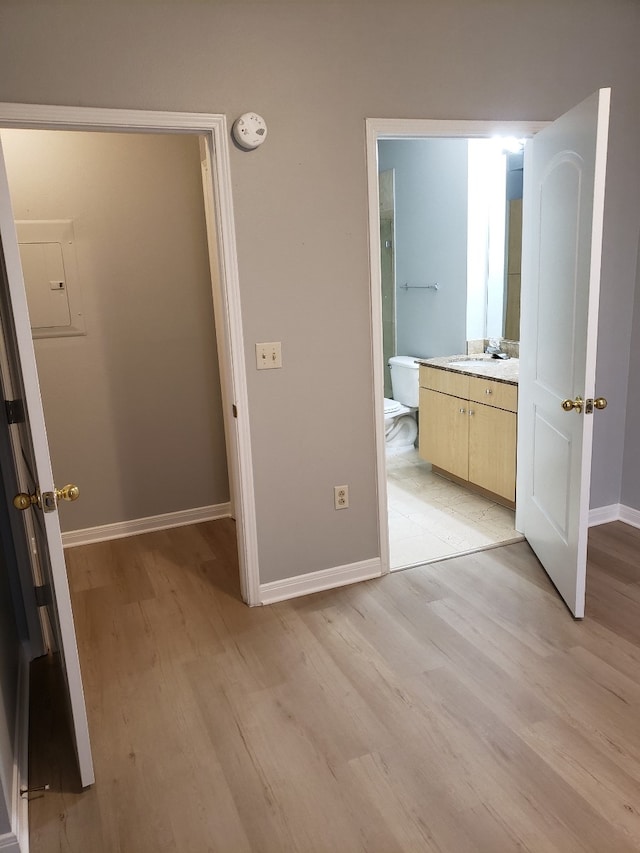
{"x": 468, "y": 429}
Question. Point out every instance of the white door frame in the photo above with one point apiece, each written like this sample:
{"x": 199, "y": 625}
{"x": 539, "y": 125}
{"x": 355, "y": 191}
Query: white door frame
{"x": 393, "y": 128}
{"x": 221, "y": 240}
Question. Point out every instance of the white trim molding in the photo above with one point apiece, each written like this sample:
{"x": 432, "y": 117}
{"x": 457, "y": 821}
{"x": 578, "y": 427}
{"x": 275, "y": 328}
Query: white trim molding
{"x": 377, "y": 129}
{"x": 120, "y": 529}
{"x": 629, "y": 515}
{"x": 318, "y": 581}
{"x": 21, "y": 804}
{"x": 614, "y": 512}
{"x": 604, "y": 514}
{"x": 17, "y": 841}
{"x": 422, "y": 128}
{"x": 212, "y": 128}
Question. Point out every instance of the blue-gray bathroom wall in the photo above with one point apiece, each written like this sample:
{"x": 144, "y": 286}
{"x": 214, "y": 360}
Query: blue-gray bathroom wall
{"x": 431, "y": 177}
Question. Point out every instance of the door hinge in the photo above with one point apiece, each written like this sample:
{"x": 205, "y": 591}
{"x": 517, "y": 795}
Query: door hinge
{"x": 234, "y": 409}
{"x": 26, "y": 793}
{"x": 42, "y": 595}
{"x": 15, "y": 411}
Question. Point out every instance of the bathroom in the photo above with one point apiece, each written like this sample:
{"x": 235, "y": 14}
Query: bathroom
{"x": 450, "y": 237}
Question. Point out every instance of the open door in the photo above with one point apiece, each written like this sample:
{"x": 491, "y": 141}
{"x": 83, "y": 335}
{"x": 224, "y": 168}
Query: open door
{"x": 39, "y": 497}
{"x": 564, "y": 175}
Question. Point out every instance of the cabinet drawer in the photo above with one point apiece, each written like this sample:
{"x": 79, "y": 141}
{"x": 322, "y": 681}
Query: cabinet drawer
{"x": 492, "y": 393}
{"x": 444, "y": 381}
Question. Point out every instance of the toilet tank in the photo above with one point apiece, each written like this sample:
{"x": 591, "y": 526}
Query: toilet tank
{"x": 405, "y": 379}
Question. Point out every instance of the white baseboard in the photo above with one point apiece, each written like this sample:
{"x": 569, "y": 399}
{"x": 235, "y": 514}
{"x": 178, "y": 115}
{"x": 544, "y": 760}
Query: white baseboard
{"x": 145, "y": 525}
{"x": 630, "y": 516}
{"x": 318, "y": 581}
{"x": 614, "y": 512}
{"x": 604, "y": 514}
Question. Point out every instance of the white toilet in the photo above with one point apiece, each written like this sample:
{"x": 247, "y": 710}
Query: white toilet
{"x": 400, "y": 425}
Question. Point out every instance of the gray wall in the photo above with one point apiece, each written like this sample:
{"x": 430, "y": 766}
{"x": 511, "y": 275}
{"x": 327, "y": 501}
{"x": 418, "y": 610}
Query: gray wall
{"x": 315, "y": 71}
{"x": 431, "y": 184}
{"x": 631, "y": 479}
{"x": 133, "y": 408}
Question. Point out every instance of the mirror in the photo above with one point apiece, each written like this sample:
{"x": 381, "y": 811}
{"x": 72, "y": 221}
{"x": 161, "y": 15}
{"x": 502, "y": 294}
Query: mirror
{"x": 513, "y": 246}
{"x": 494, "y": 239}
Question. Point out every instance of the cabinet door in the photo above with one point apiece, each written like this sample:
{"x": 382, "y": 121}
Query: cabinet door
{"x": 492, "y": 450}
{"x": 444, "y": 432}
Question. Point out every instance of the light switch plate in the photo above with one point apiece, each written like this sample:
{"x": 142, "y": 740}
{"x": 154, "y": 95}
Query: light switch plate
{"x": 269, "y": 355}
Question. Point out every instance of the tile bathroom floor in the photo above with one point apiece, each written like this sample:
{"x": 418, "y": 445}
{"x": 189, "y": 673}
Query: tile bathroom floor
{"x": 431, "y": 518}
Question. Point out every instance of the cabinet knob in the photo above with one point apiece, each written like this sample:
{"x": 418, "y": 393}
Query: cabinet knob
{"x": 471, "y": 412}
{"x": 462, "y": 411}
{"x": 488, "y": 391}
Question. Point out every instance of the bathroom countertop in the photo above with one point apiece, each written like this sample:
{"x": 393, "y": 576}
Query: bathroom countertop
{"x": 501, "y": 370}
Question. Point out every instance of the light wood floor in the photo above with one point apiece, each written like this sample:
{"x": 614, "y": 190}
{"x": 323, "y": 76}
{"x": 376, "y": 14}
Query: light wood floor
{"x": 453, "y": 708}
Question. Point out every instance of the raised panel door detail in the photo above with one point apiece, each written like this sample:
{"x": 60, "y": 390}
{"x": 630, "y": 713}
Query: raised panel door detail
{"x": 559, "y": 212}
{"x": 551, "y": 482}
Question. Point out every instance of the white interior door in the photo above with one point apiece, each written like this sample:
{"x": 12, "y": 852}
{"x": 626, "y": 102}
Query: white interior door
{"x": 33, "y": 469}
{"x": 564, "y": 174}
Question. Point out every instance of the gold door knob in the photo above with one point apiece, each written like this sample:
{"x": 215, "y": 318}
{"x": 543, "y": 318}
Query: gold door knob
{"x": 70, "y": 492}
{"x": 600, "y": 403}
{"x": 47, "y": 501}
{"x": 576, "y": 404}
{"x": 23, "y": 500}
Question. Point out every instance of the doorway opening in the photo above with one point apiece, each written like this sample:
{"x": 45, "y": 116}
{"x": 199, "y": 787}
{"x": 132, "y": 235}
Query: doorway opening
{"x": 39, "y": 494}
{"x": 112, "y": 237}
{"x": 447, "y": 222}
{"x": 215, "y": 197}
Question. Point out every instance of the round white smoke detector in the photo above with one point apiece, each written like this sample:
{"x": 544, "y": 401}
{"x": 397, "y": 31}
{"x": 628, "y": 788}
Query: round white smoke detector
{"x": 249, "y": 131}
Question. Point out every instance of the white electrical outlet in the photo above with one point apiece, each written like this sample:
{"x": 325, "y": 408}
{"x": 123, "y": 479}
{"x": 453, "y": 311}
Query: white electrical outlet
{"x": 341, "y": 497}
{"x": 269, "y": 355}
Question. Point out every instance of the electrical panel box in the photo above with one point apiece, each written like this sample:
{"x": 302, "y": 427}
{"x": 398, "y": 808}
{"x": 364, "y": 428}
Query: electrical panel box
{"x": 49, "y": 267}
